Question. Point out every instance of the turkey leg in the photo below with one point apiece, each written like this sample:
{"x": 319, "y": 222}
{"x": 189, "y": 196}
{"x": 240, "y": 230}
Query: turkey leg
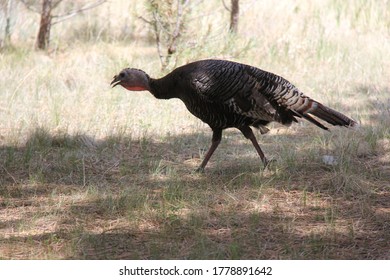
{"x": 217, "y": 136}
{"x": 248, "y": 133}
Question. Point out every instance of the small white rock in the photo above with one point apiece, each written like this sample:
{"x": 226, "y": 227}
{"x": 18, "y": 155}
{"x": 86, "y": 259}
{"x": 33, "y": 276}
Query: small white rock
{"x": 329, "y": 160}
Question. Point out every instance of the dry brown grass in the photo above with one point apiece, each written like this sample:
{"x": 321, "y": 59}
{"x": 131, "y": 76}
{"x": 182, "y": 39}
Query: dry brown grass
{"x": 87, "y": 172}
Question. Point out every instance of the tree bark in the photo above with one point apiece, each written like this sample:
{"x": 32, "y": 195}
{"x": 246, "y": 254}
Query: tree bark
{"x": 7, "y": 31}
{"x": 6, "y": 9}
{"x": 234, "y": 15}
{"x": 45, "y": 25}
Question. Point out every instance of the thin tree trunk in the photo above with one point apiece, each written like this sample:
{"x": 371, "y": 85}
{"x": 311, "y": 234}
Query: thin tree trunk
{"x": 234, "y": 15}
{"x": 7, "y": 35}
{"x": 45, "y": 25}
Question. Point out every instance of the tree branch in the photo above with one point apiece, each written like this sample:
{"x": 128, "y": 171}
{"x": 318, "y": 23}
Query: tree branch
{"x": 30, "y": 7}
{"x": 180, "y": 10}
{"x": 53, "y": 6}
{"x": 158, "y": 40}
{"x": 176, "y": 32}
{"x": 145, "y": 20}
{"x": 167, "y": 23}
{"x": 226, "y": 7}
{"x": 73, "y": 13}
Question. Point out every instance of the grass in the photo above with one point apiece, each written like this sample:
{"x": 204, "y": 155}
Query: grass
{"x": 87, "y": 172}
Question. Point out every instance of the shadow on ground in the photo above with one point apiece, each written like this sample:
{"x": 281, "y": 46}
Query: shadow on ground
{"x": 75, "y": 197}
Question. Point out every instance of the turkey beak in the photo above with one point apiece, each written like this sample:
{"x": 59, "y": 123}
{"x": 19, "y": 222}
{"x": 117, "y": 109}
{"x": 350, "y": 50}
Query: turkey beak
{"x": 116, "y": 81}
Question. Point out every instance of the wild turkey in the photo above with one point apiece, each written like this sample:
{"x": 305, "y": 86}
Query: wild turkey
{"x": 227, "y": 94}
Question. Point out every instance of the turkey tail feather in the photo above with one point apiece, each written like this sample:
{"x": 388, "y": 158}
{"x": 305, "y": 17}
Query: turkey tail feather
{"x": 332, "y": 116}
{"x": 324, "y": 113}
{"x": 306, "y": 108}
{"x": 311, "y": 119}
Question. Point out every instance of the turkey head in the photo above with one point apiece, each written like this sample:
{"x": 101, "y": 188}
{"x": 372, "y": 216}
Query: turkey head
{"x": 132, "y": 79}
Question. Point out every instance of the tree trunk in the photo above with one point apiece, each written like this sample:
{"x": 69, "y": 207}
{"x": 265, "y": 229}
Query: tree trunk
{"x": 6, "y": 9}
{"x": 7, "y": 34}
{"x": 45, "y": 25}
{"x": 234, "y": 14}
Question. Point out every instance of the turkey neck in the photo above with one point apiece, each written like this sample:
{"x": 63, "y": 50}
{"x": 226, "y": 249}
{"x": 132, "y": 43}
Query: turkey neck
{"x": 164, "y": 88}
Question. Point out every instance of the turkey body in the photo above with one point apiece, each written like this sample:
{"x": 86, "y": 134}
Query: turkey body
{"x": 221, "y": 93}
{"x": 227, "y": 94}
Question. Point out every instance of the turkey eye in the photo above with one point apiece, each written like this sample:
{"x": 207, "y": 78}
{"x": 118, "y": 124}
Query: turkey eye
{"x": 122, "y": 75}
